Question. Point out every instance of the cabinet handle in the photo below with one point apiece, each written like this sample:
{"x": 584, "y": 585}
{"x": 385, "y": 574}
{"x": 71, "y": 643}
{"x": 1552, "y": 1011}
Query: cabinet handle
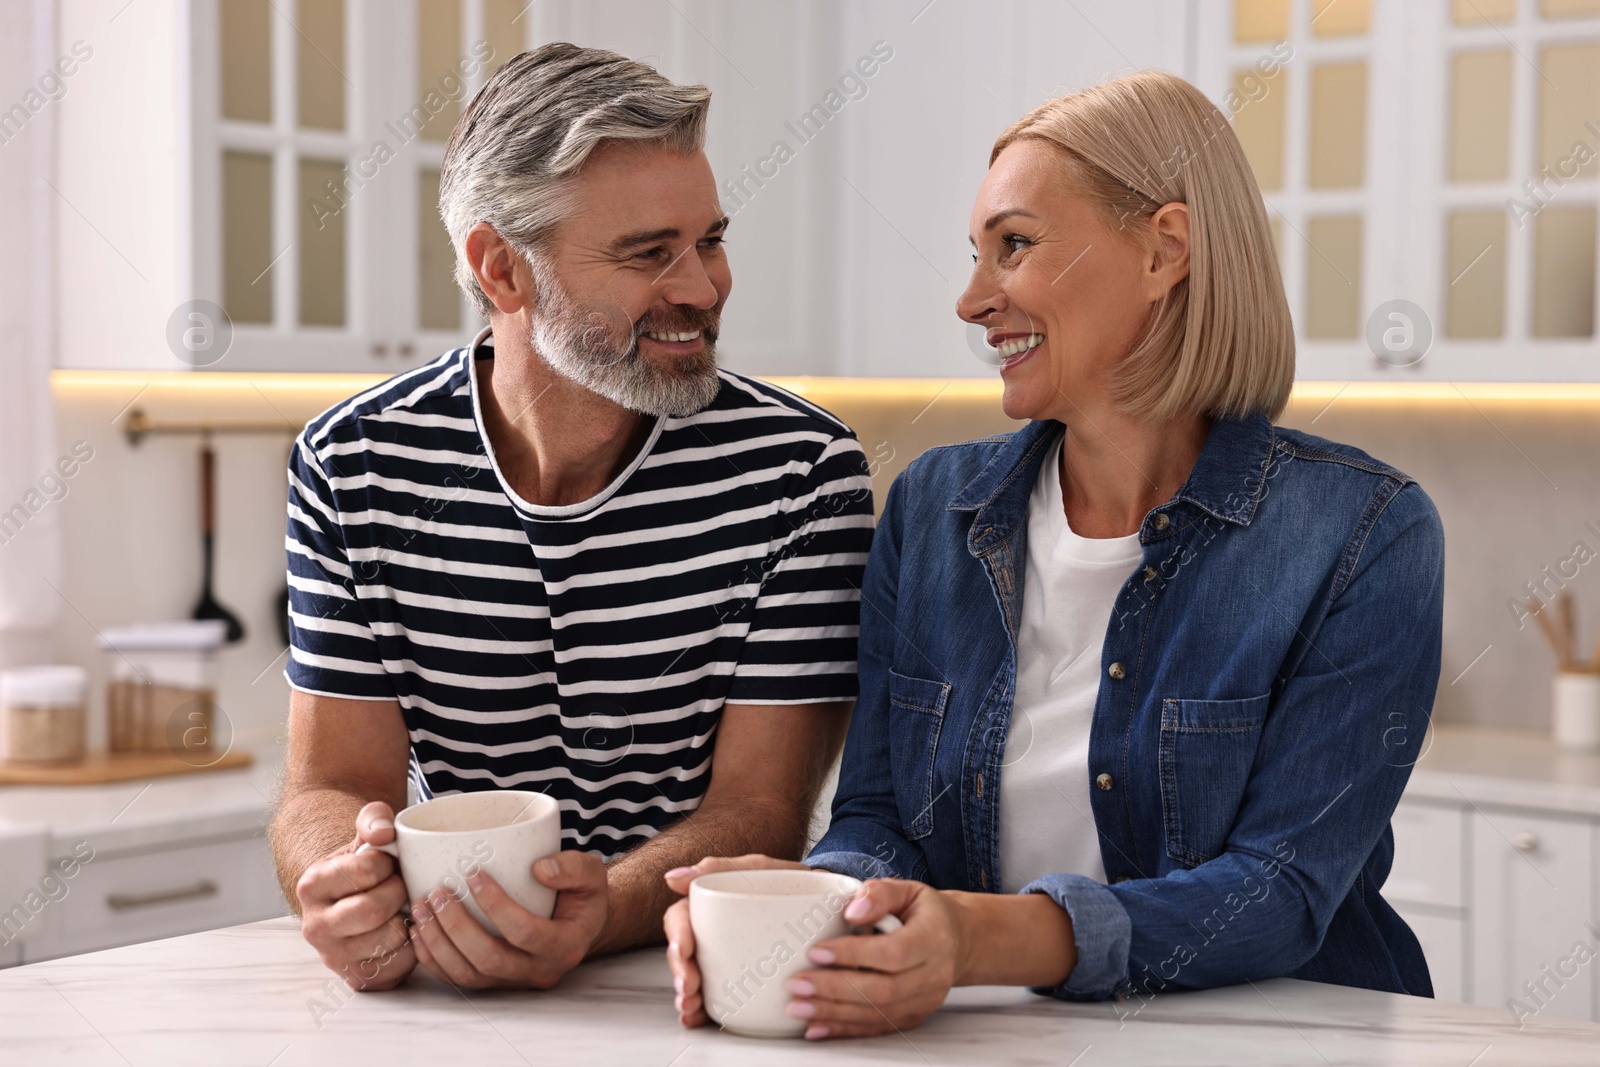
{"x": 127, "y": 901}
{"x": 1525, "y": 841}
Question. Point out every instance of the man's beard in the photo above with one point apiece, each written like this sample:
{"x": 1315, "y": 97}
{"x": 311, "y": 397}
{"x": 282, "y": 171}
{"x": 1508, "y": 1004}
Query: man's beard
{"x": 581, "y": 344}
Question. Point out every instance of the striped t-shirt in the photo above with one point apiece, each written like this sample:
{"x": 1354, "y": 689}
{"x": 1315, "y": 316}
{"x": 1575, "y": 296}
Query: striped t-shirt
{"x": 584, "y": 650}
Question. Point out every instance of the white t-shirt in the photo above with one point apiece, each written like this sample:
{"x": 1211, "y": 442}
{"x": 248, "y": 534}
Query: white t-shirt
{"x": 1070, "y": 586}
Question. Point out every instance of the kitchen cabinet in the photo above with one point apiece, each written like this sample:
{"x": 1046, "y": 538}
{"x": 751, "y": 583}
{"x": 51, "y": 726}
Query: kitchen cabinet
{"x": 136, "y": 861}
{"x": 1426, "y": 886}
{"x": 1418, "y": 167}
{"x": 280, "y": 161}
{"x": 284, "y": 160}
{"x": 1443, "y": 939}
{"x": 1496, "y": 845}
{"x": 146, "y": 895}
{"x": 1533, "y": 894}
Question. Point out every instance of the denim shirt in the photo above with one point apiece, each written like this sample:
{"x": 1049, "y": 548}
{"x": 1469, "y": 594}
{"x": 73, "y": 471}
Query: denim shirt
{"x": 1267, "y": 678}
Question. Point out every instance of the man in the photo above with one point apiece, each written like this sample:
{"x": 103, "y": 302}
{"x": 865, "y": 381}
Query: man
{"x": 573, "y": 556}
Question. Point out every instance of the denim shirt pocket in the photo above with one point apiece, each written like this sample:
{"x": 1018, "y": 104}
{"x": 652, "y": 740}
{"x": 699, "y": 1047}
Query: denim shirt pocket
{"x": 916, "y": 715}
{"x": 1206, "y": 752}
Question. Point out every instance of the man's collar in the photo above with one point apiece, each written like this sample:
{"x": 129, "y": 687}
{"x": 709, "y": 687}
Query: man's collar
{"x": 1227, "y": 479}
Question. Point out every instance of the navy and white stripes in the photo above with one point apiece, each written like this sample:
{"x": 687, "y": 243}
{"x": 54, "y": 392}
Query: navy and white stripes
{"x": 583, "y": 650}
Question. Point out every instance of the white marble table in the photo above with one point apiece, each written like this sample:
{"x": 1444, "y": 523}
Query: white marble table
{"x": 257, "y": 995}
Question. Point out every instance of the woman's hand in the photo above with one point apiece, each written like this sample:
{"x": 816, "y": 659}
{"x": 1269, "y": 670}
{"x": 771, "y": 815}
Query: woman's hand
{"x": 898, "y": 979}
{"x": 680, "y": 936}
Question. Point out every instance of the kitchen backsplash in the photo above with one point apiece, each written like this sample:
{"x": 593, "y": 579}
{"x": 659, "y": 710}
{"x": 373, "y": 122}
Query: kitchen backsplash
{"x": 1516, "y": 483}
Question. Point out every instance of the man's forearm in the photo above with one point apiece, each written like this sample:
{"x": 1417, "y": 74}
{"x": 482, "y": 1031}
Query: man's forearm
{"x": 311, "y": 823}
{"x": 639, "y": 895}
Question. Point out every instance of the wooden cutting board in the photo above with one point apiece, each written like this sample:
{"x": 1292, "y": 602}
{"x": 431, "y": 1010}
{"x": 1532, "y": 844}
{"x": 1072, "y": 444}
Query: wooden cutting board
{"x": 102, "y": 767}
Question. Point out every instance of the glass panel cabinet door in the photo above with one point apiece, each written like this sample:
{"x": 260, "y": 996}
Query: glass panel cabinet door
{"x": 319, "y": 130}
{"x": 1443, "y": 153}
{"x": 281, "y": 112}
{"x": 1295, "y": 78}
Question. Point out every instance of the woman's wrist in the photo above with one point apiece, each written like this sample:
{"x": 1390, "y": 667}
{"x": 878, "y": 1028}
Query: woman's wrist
{"x": 968, "y": 932}
{"x": 1011, "y": 939}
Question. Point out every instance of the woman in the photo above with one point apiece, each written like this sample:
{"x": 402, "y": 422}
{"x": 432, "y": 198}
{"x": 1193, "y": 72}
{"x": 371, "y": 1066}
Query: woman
{"x": 1141, "y": 683}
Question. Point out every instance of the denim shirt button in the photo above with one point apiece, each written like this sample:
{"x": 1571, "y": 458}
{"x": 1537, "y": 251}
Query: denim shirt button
{"x": 1120, "y": 879}
{"x": 1104, "y": 781}
{"x": 1117, "y": 671}
{"x": 1162, "y": 521}
{"x": 1149, "y": 573}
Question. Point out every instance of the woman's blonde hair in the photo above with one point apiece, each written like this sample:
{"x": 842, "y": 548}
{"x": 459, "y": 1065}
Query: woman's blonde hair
{"x": 1221, "y": 343}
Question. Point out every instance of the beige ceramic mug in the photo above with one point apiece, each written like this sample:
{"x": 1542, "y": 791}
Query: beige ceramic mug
{"x": 444, "y": 841}
{"x": 752, "y": 930}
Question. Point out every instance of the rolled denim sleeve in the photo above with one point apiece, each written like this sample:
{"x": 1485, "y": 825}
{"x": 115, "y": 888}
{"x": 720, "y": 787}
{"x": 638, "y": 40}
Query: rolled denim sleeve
{"x": 1102, "y": 932}
{"x": 855, "y": 864}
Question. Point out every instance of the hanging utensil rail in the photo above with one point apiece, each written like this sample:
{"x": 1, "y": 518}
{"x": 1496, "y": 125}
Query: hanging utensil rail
{"x": 138, "y": 425}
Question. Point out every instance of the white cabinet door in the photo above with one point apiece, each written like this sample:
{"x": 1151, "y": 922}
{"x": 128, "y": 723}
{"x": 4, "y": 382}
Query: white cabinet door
{"x": 1532, "y": 905}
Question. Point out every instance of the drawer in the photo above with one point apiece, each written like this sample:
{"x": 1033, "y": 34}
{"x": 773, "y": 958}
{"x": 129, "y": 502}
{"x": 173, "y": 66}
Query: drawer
{"x": 1427, "y": 855}
{"x": 1443, "y": 939}
{"x": 125, "y": 898}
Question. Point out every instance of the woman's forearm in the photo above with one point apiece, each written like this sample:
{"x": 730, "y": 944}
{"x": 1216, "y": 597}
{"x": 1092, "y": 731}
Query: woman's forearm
{"x": 1012, "y": 939}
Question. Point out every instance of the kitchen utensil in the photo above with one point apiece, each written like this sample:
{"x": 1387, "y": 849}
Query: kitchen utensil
{"x": 280, "y": 608}
{"x": 280, "y": 603}
{"x": 752, "y": 930}
{"x": 1569, "y": 629}
{"x": 1552, "y": 633}
{"x": 442, "y": 842}
{"x": 208, "y": 608}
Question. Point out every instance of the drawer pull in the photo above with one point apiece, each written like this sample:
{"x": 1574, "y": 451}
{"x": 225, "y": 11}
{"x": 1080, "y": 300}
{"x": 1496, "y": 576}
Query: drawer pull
{"x": 1525, "y": 841}
{"x": 129, "y": 901}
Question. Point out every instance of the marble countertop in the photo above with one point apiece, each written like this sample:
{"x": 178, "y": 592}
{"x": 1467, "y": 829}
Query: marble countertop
{"x": 1516, "y": 767}
{"x": 127, "y": 816}
{"x": 257, "y": 994}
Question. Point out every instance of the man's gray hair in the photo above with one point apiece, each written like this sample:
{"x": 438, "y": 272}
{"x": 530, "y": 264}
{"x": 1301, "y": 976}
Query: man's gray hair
{"x": 513, "y": 156}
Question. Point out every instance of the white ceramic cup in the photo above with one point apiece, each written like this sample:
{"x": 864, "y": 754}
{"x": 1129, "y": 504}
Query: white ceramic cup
{"x": 751, "y": 933}
{"x": 1575, "y": 710}
{"x": 442, "y": 842}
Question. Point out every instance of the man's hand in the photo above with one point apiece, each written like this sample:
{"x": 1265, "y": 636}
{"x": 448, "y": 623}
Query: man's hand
{"x": 350, "y": 908}
{"x": 536, "y": 951}
{"x": 680, "y": 935}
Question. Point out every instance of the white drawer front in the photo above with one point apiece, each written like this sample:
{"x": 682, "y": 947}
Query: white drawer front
{"x": 1427, "y": 856}
{"x": 1443, "y": 939}
{"x": 123, "y": 899}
